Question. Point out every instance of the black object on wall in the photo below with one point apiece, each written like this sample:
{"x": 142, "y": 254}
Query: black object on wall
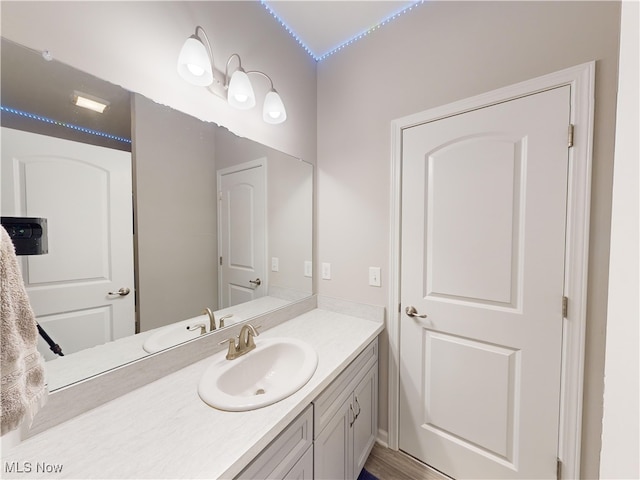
{"x": 29, "y": 237}
{"x": 28, "y": 234}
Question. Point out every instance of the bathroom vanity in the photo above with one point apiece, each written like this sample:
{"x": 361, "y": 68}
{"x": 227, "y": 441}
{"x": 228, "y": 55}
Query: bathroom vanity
{"x": 334, "y": 435}
{"x": 164, "y": 430}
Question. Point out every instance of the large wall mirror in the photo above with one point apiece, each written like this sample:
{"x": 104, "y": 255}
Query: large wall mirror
{"x": 153, "y": 217}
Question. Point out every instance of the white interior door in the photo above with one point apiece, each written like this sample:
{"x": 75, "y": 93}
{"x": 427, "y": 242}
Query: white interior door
{"x": 483, "y": 238}
{"x": 85, "y": 193}
{"x": 242, "y": 232}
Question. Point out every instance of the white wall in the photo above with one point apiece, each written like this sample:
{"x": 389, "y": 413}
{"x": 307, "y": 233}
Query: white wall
{"x": 439, "y": 53}
{"x": 136, "y": 45}
{"x": 620, "y": 444}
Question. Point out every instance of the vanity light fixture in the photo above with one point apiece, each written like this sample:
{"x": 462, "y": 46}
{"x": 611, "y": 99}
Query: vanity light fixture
{"x": 196, "y": 66}
{"x": 90, "y": 102}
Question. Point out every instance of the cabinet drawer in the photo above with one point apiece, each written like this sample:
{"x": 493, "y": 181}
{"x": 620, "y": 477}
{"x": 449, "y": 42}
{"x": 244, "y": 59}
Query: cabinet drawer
{"x": 284, "y": 452}
{"x": 330, "y": 400}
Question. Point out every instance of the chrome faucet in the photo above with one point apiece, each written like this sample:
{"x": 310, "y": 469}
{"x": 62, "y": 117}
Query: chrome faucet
{"x": 245, "y": 342}
{"x": 212, "y": 320}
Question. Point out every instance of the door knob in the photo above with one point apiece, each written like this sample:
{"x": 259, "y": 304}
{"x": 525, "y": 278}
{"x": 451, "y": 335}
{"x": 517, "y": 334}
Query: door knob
{"x": 412, "y": 312}
{"x": 123, "y": 292}
{"x": 257, "y": 282}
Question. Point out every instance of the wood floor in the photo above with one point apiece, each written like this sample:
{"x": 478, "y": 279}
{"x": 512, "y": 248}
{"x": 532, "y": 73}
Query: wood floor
{"x": 388, "y": 464}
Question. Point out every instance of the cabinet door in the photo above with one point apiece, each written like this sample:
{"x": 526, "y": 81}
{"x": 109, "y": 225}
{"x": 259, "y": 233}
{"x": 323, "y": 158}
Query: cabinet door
{"x": 303, "y": 469}
{"x": 364, "y": 430}
{"x": 283, "y": 452}
{"x": 333, "y": 447}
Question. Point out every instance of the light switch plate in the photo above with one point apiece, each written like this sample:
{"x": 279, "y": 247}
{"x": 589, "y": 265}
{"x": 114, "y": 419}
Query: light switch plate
{"x": 308, "y": 269}
{"x": 326, "y": 271}
{"x": 374, "y": 277}
{"x": 275, "y": 264}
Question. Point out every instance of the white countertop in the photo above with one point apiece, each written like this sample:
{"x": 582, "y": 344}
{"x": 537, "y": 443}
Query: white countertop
{"x": 164, "y": 429}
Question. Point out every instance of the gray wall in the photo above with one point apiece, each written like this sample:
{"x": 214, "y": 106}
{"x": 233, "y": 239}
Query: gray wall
{"x": 290, "y": 220}
{"x": 439, "y": 53}
{"x": 175, "y": 192}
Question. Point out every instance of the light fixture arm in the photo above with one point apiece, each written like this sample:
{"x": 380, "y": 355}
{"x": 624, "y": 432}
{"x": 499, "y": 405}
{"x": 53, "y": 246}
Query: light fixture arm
{"x": 264, "y": 75}
{"x": 226, "y": 68}
{"x": 209, "y": 50}
{"x": 226, "y": 71}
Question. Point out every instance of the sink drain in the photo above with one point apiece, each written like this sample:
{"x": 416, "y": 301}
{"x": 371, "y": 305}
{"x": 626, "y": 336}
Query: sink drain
{"x": 260, "y": 391}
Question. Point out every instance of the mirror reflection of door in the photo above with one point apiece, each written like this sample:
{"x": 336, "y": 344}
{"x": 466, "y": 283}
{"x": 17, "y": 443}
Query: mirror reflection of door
{"x": 242, "y": 232}
{"x": 84, "y": 191}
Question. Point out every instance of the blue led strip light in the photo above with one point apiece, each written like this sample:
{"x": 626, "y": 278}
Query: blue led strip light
{"x": 289, "y": 30}
{"x": 63, "y": 124}
{"x": 355, "y": 38}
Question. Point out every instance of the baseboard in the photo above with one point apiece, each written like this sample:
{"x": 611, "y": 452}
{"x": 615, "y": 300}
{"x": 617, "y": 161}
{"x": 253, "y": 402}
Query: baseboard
{"x": 383, "y": 438}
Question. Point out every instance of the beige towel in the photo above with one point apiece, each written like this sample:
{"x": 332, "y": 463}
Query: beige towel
{"x": 23, "y": 383}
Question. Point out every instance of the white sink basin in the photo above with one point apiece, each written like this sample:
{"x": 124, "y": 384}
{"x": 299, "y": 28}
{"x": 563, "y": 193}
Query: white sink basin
{"x": 275, "y": 369}
{"x": 174, "y": 334}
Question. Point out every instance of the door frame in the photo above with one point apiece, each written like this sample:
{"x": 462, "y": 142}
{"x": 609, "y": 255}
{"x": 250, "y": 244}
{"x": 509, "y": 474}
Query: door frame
{"x": 581, "y": 79}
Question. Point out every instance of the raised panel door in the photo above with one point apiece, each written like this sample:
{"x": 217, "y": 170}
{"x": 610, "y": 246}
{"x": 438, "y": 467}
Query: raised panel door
{"x": 483, "y": 237}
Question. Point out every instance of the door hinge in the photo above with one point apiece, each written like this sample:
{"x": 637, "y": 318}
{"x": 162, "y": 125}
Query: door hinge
{"x": 399, "y": 307}
{"x": 565, "y": 306}
{"x": 220, "y": 260}
{"x": 559, "y": 469}
{"x": 570, "y": 136}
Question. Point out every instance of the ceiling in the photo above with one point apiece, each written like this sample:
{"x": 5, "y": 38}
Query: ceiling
{"x": 323, "y": 25}
{"x": 31, "y": 84}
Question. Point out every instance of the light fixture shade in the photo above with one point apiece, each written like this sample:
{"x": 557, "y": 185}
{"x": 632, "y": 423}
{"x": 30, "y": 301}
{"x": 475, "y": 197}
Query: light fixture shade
{"x": 240, "y": 94}
{"x": 273, "y": 110}
{"x": 194, "y": 64}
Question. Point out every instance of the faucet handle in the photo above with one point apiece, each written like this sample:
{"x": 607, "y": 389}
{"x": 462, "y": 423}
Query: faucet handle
{"x": 201, "y": 326}
{"x": 222, "y": 319}
{"x": 233, "y": 349}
